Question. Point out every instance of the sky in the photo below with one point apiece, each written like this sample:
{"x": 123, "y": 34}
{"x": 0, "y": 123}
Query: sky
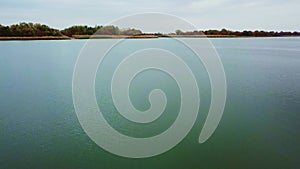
{"x": 277, "y": 15}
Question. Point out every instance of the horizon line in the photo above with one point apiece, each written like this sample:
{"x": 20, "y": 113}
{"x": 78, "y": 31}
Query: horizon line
{"x": 198, "y": 29}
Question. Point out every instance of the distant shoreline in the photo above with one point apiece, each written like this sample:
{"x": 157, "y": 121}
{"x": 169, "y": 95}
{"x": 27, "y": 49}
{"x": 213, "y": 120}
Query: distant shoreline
{"x": 4, "y": 38}
{"x": 37, "y": 31}
{"x": 75, "y": 37}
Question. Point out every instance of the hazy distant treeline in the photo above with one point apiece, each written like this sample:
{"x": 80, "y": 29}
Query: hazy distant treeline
{"x": 36, "y": 29}
{"x": 99, "y": 30}
{"x": 225, "y": 32}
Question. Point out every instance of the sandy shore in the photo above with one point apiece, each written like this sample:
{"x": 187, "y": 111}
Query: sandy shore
{"x": 113, "y": 37}
{"x": 36, "y": 38}
{"x": 79, "y": 37}
{"x": 201, "y": 36}
{"x": 147, "y": 36}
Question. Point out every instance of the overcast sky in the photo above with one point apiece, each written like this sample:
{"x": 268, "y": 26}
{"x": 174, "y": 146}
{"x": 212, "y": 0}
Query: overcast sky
{"x": 204, "y": 14}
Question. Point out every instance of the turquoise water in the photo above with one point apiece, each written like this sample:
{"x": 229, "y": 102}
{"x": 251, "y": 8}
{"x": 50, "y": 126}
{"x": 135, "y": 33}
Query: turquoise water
{"x": 259, "y": 128}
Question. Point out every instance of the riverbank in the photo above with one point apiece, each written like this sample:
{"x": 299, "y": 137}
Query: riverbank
{"x": 147, "y": 36}
{"x": 201, "y": 36}
{"x": 150, "y": 36}
{"x": 34, "y": 38}
{"x": 4, "y": 38}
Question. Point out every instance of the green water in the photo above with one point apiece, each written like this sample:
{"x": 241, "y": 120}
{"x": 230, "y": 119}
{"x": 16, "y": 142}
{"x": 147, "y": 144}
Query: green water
{"x": 259, "y": 128}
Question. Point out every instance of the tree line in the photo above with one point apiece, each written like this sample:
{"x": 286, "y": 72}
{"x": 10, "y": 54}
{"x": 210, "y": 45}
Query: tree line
{"x": 28, "y": 29}
{"x": 36, "y": 29}
{"x": 225, "y": 32}
{"x": 99, "y": 30}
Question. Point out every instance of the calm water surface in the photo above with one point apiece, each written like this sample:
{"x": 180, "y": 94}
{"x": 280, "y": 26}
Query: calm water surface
{"x": 259, "y": 129}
